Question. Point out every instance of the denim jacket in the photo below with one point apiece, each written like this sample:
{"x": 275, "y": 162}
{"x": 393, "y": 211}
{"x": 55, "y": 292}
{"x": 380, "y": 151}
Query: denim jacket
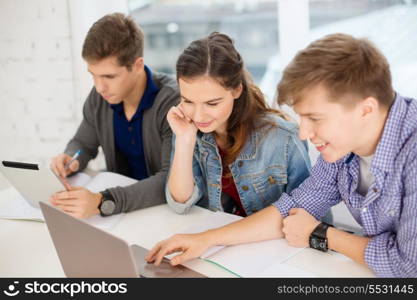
{"x": 272, "y": 161}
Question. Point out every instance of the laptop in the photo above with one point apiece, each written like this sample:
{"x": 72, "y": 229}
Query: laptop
{"x": 87, "y": 251}
{"x": 33, "y": 182}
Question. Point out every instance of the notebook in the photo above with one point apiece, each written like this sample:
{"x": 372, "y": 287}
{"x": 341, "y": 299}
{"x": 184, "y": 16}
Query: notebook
{"x": 259, "y": 259}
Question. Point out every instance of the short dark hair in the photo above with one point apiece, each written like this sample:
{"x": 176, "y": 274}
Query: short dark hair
{"x": 114, "y": 34}
{"x": 344, "y": 65}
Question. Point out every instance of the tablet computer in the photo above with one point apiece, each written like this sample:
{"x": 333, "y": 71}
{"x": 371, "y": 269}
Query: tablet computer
{"x": 33, "y": 182}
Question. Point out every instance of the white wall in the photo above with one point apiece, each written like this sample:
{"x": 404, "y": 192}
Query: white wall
{"x": 36, "y": 80}
{"x": 43, "y": 80}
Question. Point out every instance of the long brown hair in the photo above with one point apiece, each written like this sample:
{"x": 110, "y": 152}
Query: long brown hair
{"x": 215, "y": 56}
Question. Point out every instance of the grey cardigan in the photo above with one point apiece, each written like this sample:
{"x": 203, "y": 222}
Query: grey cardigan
{"x": 96, "y": 129}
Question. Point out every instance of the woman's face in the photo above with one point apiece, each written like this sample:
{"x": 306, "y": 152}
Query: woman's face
{"x": 207, "y": 103}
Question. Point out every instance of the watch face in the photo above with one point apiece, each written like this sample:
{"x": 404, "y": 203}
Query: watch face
{"x": 318, "y": 243}
{"x": 315, "y": 243}
{"x": 107, "y": 207}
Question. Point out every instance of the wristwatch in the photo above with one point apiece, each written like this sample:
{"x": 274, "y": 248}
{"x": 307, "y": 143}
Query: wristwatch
{"x": 318, "y": 238}
{"x": 107, "y": 205}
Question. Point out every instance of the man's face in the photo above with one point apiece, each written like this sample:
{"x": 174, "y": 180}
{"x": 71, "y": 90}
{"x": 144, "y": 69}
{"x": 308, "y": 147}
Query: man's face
{"x": 112, "y": 81}
{"x": 335, "y": 128}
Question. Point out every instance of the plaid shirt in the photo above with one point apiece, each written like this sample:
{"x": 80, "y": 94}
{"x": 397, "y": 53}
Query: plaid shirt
{"x": 388, "y": 212}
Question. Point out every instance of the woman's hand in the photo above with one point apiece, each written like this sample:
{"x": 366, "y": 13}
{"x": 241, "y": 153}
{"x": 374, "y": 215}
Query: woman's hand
{"x": 182, "y": 126}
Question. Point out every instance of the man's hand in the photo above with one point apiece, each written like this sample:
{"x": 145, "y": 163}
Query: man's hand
{"x": 298, "y": 226}
{"x": 59, "y": 162}
{"x": 77, "y": 202}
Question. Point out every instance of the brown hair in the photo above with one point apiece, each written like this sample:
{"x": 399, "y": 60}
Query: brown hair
{"x": 114, "y": 34}
{"x": 215, "y": 56}
{"x": 344, "y": 65}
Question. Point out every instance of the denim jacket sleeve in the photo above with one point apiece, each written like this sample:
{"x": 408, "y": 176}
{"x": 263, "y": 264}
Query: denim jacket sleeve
{"x": 299, "y": 165}
{"x": 198, "y": 192}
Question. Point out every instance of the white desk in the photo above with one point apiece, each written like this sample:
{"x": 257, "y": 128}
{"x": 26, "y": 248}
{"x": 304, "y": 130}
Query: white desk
{"x": 26, "y": 249}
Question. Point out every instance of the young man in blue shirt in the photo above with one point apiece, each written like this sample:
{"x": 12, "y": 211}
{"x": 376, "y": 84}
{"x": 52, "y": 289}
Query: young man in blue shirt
{"x": 367, "y": 136}
{"x": 125, "y": 114}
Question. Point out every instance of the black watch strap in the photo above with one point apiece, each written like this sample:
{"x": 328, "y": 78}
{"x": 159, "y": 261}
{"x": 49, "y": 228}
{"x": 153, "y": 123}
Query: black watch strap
{"x": 107, "y": 195}
{"x": 321, "y": 230}
{"x": 107, "y": 205}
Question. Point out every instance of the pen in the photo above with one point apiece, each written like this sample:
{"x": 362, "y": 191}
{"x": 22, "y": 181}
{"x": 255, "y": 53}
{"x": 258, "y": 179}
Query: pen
{"x": 72, "y": 159}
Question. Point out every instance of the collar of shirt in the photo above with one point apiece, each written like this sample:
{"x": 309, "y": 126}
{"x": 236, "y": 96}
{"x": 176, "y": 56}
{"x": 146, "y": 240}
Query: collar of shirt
{"x": 147, "y": 99}
{"x": 387, "y": 149}
{"x": 389, "y": 145}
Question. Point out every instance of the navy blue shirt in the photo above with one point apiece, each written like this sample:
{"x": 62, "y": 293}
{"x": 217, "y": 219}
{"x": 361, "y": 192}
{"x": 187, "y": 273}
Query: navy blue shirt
{"x": 128, "y": 134}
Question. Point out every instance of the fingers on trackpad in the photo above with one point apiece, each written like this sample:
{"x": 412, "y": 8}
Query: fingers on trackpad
{"x": 163, "y": 270}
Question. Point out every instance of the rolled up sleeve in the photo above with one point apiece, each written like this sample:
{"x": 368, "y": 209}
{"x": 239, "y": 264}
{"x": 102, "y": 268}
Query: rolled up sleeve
{"x": 316, "y": 194}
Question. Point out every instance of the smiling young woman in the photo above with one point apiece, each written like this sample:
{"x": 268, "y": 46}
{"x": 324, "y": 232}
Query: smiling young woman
{"x": 232, "y": 152}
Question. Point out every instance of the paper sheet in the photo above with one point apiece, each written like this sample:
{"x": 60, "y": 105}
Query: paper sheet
{"x": 19, "y": 209}
{"x": 215, "y": 220}
{"x": 260, "y": 259}
{"x": 79, "y": 179}
{"x": 251, "y": 259}
{"x": 15, "y": 207}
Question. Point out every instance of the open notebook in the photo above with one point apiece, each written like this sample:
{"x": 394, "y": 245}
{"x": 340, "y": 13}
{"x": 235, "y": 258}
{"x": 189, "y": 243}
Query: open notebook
{"x": 260, "y": 259}
{"x": 13, "y": 206}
